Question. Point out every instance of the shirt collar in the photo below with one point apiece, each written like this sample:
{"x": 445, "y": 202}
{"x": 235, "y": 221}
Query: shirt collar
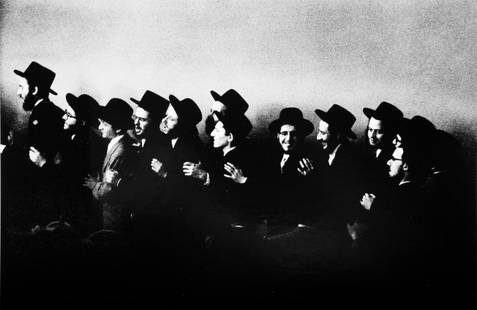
{"x": 332, "y": 155}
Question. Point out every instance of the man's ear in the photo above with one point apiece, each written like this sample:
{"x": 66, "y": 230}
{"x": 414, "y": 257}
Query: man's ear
{"x": 405, "y": 166}
{"x": 230, "y": 138}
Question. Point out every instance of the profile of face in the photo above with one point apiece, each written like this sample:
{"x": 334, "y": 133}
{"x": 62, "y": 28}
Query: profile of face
{"x": 324, "y": 135}
{"x": 219, "y": 136}
{"x": 211, "y": 119}
{"x": 287, "y": 137}
{"x": 396, "y": 165}
{"x": 70, "y": 120}
{"x": 142, "y": 122}
{"x": 25, "y": 92}
{"x": 375, "y": 132}
{"x": 170, "y": 122}
{"x": 106, "y": 129}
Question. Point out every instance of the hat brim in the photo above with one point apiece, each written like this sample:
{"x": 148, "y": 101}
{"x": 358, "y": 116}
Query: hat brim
{"x": 369, "y": 112}
{"x": 134, "y": 100}
{"x": 72, "y": 101}
{"x": 324, "y": 116}
{"x": 22, "y": 74}
{"x": 216, "y": 96}
{"x": 304, "y": 126}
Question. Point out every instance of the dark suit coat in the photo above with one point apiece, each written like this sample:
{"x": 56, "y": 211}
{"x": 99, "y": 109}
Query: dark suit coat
{"x": 237, "y": 200}
{"x": 178, "y": 190}
{"x": 120, "y": 158}
{"x": 287, "y": 190}
{"x": 337, "y": 188}
{"x": 45, "y": 128}
{"x": 375, "y": 169}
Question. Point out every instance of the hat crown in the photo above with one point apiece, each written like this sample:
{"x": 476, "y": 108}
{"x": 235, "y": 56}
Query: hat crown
{"x": 152, "y": 102}
{"x": 232, "y": 100}
{"x": 341, "y": 117}
{"x": 291, "y": 114}
{"x": 187, "y": 110}
{"x": 384, "y": 111}
{"x": 38, "y": 74}
{"x": 84, "y": 106}
{"x": 118, "y": 113}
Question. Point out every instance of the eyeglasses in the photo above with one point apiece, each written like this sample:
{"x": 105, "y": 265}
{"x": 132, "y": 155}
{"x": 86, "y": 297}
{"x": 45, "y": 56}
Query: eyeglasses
{"x": 69, "y": 115}
{"x": 395, "y": 159}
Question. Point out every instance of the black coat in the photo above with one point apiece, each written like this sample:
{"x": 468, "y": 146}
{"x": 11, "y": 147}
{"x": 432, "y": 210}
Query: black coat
{"x": 45, "y": 128}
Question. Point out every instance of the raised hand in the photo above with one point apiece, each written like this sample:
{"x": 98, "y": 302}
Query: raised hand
{"x": 158, "y": 168}
{"x": 234, "y": 173}
{"x": 306, "y": 166}
{"x": 367, "y": 201}
{"x": 36, "y": 157}
{"x": 194, "y": 170}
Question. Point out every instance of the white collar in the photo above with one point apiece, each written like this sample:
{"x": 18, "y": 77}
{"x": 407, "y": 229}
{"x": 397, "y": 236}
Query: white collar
{"x": 377, "y": 152}
{"x": 404, "y": 182}
{"x": 228, "y": 150}
{"x": 174, "y": 141}
{"x": 332, "y": 155}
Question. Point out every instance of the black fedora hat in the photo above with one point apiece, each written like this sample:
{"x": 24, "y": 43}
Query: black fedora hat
{"x": 38, "y": 74}
{"x": 187, "y": 110}
{"x": 292, "y": 116}
{"x": 152, "y": 103}
{"x": 237, "y": 124}
{"x": 339, "y": 118}
{"x": 117, "y": 113}
{"x": 232, "y": 100}
{"x": 85, "y": 107}
{"x": 385, "y": 111}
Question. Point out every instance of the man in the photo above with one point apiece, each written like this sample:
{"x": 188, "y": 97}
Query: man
{"x": 45, "y": 140}
{"x": 45, "y": 125}
{"x": 289, "y": 162}
{"x": 337, "y": 167}
{"x": 144, "y": 187}
{"x": 82, "y": 154}
{"x": 114, "y": 121}
{"x": 382, "y": 127}
{"x": 230, "y": 102}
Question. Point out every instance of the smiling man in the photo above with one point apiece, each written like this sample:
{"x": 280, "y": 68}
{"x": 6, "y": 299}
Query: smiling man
{"x": 290, "y": 162}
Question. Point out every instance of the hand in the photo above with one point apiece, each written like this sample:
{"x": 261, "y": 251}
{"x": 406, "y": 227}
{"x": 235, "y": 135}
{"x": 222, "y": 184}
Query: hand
{"x": 194, "y": 170}
{"x": 356, "y": 230}
{"x": 36, "y": 157}
{"x": 90, "y": 182}
{"x": 367, "y": 201}
{"x": 235, "y": 174}
{"x": 158, "y": 168}
{"x": 306, "y": 166}
{"x": 111, "y": 176}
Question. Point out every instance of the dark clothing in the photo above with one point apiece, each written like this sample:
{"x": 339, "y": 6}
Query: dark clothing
{"x": 82, "y": 156}
{"x": 287, "y": 193}
{"x": 337, "y": 187}
{"x": 375, "y": 168}
{"x": 45, "y": 128}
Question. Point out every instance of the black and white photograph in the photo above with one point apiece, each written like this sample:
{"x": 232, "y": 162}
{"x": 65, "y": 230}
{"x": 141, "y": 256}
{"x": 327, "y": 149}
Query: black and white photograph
{"x": 202, "y": 153}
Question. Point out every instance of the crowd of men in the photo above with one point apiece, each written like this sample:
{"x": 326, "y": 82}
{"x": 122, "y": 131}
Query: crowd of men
{"x": 144, "y": 174}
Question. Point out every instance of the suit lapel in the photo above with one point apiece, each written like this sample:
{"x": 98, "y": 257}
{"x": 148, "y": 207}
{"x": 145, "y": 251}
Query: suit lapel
{"x": 109, "y": 155}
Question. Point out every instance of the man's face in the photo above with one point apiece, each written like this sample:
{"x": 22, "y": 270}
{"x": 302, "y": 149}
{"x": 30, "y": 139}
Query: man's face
{"x": 26, "y": 94}
{"x": 70, "y": 119}
{"x": 375, "y": 132}
{"x": 219, "y": 136}
{"x": 324, "y": 135}
{"x": 396, "y": 164}
{"x": 170, "y": 121}
{"x": 106, "y": 129}
{"x": 142, "y": 122}
{"x": 287, "y": 137}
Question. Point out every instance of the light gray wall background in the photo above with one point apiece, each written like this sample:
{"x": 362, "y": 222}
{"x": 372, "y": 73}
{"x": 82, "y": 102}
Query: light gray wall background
{"x": 419, "y": 55}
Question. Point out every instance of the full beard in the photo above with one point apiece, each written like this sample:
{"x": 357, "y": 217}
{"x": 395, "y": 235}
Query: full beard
{"x": 29, "y": 102}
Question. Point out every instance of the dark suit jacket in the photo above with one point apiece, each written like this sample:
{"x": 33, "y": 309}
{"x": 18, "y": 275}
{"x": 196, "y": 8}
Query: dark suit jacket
{"x": 287, "y": 191}
{"x": 338, "y": 188}
{"x": 45, "y": 128}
